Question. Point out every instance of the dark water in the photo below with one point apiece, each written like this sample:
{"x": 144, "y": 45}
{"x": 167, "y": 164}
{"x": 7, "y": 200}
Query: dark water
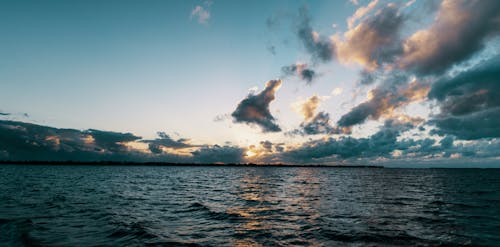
{"x": 231, "y": 206}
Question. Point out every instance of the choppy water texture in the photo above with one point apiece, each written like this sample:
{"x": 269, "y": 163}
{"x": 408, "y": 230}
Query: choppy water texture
{"x": 252, "y": 206}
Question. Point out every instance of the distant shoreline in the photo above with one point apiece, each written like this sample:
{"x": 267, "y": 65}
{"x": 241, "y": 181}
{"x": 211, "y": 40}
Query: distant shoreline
{"x": 127, "y": 163}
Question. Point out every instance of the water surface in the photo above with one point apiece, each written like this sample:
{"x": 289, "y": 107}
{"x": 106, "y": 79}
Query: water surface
{"x": 247, "y": 206}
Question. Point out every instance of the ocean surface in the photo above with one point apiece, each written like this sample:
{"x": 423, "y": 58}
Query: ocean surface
{"x": 247, "y": 206}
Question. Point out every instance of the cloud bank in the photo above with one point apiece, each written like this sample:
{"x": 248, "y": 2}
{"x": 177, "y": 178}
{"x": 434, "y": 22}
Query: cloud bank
{"x": 21, "y": 141}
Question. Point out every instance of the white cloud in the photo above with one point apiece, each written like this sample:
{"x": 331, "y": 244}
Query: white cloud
{"x": 355, "y": 2}
{"x": 362, "y": 11}
{"x": 337, "y": 91}
{"x": 202, "y": 14}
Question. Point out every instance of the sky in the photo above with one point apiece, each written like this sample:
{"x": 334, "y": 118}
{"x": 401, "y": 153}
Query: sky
{"x": 299, "y": 82}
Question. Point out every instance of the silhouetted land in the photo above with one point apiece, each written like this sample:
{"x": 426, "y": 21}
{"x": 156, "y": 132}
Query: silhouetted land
{"x": 128, "y": 163}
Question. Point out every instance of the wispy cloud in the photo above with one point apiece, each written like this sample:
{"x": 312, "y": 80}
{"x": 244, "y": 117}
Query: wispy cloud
{"x": 202, "y": 14}
{"x": 360, "y": 12}
{"x": 301, "y": 70}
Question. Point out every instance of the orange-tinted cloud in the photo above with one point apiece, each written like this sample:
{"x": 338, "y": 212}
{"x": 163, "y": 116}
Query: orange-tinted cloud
{"x": 459, "y": 30}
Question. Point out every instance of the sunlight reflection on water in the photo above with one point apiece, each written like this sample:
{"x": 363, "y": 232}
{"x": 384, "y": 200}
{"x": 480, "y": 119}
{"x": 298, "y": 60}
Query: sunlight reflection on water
{"x": 247, "y": 206}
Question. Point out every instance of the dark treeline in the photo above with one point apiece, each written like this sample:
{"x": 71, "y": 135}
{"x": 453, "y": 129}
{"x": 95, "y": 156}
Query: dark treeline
{"x": 129, "y": 163}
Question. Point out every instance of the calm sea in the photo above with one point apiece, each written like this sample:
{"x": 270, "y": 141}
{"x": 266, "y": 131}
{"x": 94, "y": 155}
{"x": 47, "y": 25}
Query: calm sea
{"x": 247, "y": 206}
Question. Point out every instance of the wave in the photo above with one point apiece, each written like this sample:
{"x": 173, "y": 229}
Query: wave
{"x": 18, "y": 231}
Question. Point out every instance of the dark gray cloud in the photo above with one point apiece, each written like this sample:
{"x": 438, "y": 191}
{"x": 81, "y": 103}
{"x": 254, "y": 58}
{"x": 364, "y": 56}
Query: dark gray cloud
{"x": 449, "y": 149}
{"x": 320, "y": 123}
{"x": 21, "y": 141}
{"x": 314, "y": 122}
{"x": 320, "y": 49}
{"x": 272, "y": 147}
{"x": 479, "y": 87}
{"x": 447, "y": 142}
{"x": 380, "y": 144}
{"x": 359, "y": 114}
{"x": 254, "y": 109}
{"x": 300, "y": 70}
{"x": 393, "y": 94}
{"x": 460, "y": 29}
{"x": 165, "y": 140}
{"x": 469, "y": 102}
{"x": 110, "y": 141}
{"x": 367, "y": 77}
{"x": 218, "y": 154}
{"x": 25, "y": 141}
{"x": 387, "y": 145}
{"x": 483, "y": 124}
{"x": 267, "y": 145}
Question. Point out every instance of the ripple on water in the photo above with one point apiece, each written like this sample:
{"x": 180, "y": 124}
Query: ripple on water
{"x": 228, "y": 206}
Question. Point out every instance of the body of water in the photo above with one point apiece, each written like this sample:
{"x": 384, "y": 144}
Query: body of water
{"x": 247, "y": 206}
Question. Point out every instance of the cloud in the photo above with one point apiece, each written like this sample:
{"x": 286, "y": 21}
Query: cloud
{"x": 218, "y": 154}
{"x": 483, "y": 124}
{"x": 367, "y": 77}
{"x": 472, "y": 90}
{"x": 264, "y": 152}
{"x": 337, "y": 91}
{"x": 165, "y": 141}
{"x": 355, "y": 2}
{"x": 395, "y": 93}
{"x": 25, "y": 141}
{"x": 459, "y": 31}
{"x": 110, "y": 141}
{"x": 21, "y": 141}
{"x": 301, "y": 70}
{"x": 409, "y": 3}
{"x": 314, "y": 123}
{"x": 320, "y": 124}
{"x": 221, "y": 117}
{"x": 375, "y": 40}
{"x": 321, "y": 49}
{"x": 469, "y": 102}
{"x": 384, "y": 148}
{"x": 380, "y": 144}
{"x": 254, "y": 109}
{"x": 201, "y": 13}
{"x": 388, "y": 145}
{"x": 372, "y": 42}
{"x": 308, "y": 108}
{"x": 360, "y": 13}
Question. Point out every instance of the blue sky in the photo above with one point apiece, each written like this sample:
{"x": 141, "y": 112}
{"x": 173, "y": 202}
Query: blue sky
{"x": 149, "y": 64}
{"x": 175, "y": 66}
